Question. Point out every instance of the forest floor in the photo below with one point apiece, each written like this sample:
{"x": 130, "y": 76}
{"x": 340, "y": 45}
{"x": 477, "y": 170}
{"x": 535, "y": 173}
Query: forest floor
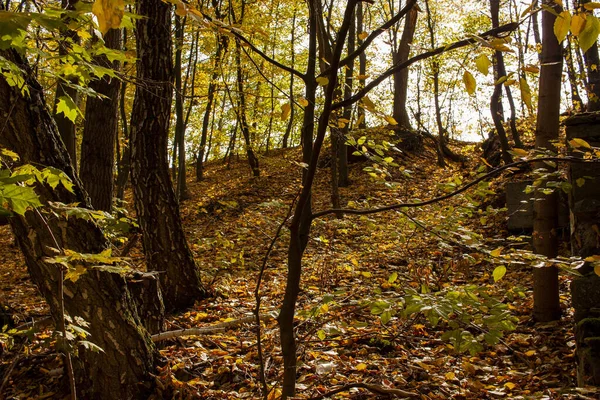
{"x": 357, "y": 273}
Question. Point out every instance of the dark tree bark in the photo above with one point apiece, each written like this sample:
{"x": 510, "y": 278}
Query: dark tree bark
{"x": 342, "y": 151}
{"x": 99, "y": 297}
{"x": 546, "y": 303}
{"x": 164, "y": 240}
{"x": 592, "y": 61}
{"x": 100, "y": 132}
{"x": 401, "y": 77}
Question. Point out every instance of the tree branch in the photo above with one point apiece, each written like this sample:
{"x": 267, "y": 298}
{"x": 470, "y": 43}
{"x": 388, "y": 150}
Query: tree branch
{"x": 242, "y": 38}
{"x": 159, "y": 337}
{"x": 378, "y": 31}
{"x": 452, "y": 194}
{"x": 453, "y": 46}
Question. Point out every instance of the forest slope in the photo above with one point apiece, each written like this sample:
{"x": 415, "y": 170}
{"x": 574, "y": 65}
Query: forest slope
{"x": 358, "y": 272}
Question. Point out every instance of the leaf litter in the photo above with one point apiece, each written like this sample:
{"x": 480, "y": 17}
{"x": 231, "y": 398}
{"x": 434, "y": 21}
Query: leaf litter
{"x": 357, "y": 272}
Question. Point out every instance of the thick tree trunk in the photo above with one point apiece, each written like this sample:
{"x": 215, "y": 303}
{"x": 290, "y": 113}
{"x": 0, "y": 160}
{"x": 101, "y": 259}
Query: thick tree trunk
{"x": 401, "y": 77}
{"x": 100, "y": 133}
{"x": 546, "y": 303}
{"x": 164, "y": 240}
{"x": 99, "y": 297}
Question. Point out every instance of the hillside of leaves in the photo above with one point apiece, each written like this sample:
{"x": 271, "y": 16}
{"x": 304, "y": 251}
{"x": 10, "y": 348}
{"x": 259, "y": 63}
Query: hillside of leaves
{"x": 390, "y": 306}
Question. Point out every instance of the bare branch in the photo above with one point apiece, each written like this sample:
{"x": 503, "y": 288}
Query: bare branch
{"x": 456, "y": 45}
{"x": 452, "y": 194}
{"x": 377, "y": 389}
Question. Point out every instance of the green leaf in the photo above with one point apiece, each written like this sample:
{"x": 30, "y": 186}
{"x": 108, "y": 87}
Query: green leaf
{"x": 67, "y": 106}
{"x": 20, "y": 198}
{"x": 499, "y": 273}
{"x": 393, "y": 277}
{"x": 385, "y": 317}
{"x": 580, "y": 182}
{"x": 590, "y": 32}
{"x": 321, "y": 334}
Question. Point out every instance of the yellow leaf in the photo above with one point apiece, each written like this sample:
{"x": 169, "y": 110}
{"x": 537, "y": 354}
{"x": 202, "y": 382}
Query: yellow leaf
{"x": 497, "y": 252}
{"x": 363, "y": 35}
{"x": 109, "y": 14}
{"x": 597, "y": 270}
{"x": 591, "y": 6}
{"x": 367, "y": 103}
{"x": 322, "y": 81}
{"x": 286, "y": 110}
{"x": 362, "y": 77}
{"x": 303, "y": 102}
{"x": 532, "y": 68}
{"x": 274, "y": 394}
{"x": 577, "y": 24}
{"x": 361, "y": 367}
{"x": 526, "y": 94}
{"x": 576, "y": 143}
{"x": 589, "y": 34}
{"x": 509, "y": 385}
{"x": 390, "y": 120}
{"x": 180, "y": 9}
{"x": 520, "y": 152}
{"x": 450, "y": 376}
{"x": 469, "y": 82}
{"x": 530, "y": 353}
{"x": 562, "y": 25}
{"x": 483, "y": 64}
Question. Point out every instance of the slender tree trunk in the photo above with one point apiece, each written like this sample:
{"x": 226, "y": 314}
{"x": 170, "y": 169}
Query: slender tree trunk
{"x": 537, "y": 38}
{"x": 164, "y": 240}
{"x": 290, "y": 124}
{"x": 347, "y": 113}
{"x": 252, "y": 159}
{"x": 576, "y": 101}
{"x": 222, "y": 43}
{"x": 100, "y": 132}
{"x": 181, "y": 192}
{"x": 99, "y": 297}
{"x": 401, "y": 77}
{"x": 496, "y": 108}
{"x": 592, "y": 63}
{"x": 300, "y": 229}
{"x": 546, "y": 303}
{"x": 124, "y": 164}
{"x": 362, "y": 63}
{"x": 66, "y": 127}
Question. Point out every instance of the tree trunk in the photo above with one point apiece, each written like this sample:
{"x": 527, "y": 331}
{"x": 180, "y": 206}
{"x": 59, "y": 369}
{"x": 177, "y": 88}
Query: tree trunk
{"x": 124, "y": 164}
{"x": 66, "y": 127}
{"x": 576, "y": 101}
{"x": 592, "y": 61}
{"x": 362, "y": 63}
{"x": 546, "y": 303}
{"x": 181, "y": 188}
{"x": 401, "y": 77}
{"x": 101, "y": 298}
{"x": 290, "y": 124}
{"x": 100, "y": 132}
{"x": 245, "y": 128}
{"x": 164, "y": 240}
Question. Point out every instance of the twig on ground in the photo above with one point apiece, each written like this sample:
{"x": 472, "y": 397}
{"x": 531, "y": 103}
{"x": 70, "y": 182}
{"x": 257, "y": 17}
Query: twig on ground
{"x": 372, "y": 388}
